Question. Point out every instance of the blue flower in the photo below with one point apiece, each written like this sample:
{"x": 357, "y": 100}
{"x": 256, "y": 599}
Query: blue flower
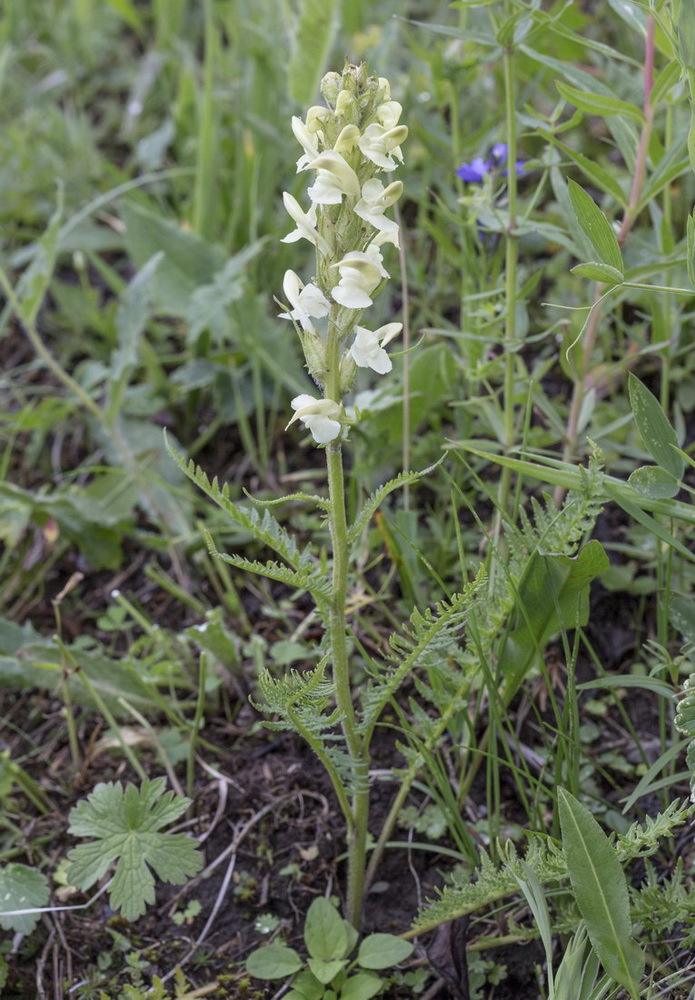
{"x": 476, "y": 171}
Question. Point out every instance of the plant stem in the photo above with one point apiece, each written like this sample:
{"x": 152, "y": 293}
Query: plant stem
{"x": 510, "y": 289}
{"x": 357, "y": 821}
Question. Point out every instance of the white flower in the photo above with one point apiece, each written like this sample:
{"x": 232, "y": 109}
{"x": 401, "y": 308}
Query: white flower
{"x": 360, "y": 273}
{"x": 307, "y": 140}
{"x": 368, "y": 347}
{"x": 320, "y": 416}
{"x": 380, "y": 145}
{"x": 375, "y": 200}
{"x": 334, "y": 178}
{"x": 306, "y": 301}
{"x": 306, "y": 224}
{"x": 388, "y": 114}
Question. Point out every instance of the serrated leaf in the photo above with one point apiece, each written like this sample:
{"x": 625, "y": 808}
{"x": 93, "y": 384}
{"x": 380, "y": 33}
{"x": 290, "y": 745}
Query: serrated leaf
{"x": 21, "y": 888}
{"x": 599, "y": 104}
{"x": 379, "y": 951}
{"x": 595, "y": 271}
{"x": 652, "y": 481}
{"x": 274, "y": 961}
{"x": 600, "y": 889}
{"x": 596, "y": 227}
{"x": 324, "y": 931}
{"x": 655, "y": 429}
{"x": 126, "y": 828}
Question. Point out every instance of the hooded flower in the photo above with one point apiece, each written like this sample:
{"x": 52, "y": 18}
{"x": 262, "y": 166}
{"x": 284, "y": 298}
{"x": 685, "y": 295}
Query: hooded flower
{"x": 334, "y": 178}
{"x": 368, "y": 351}
{"x": 307, "y": 140}
{"x": 476, "y": 171}
{"x": 306, "y": 301}
{"x": 306, "y": 224}
{"x": 380, "y": 145}
{"x": 360, "y": 274}
{"x": 374, "y": 202}
{"x": 320, "y": 416}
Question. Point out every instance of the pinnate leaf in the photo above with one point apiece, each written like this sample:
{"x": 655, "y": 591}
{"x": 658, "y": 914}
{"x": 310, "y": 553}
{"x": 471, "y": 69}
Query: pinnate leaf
{"x": 126, "y": 829}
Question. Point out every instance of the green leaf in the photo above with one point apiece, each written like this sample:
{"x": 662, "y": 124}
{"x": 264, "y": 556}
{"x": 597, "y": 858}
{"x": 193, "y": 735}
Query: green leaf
{"x": 652, "y": 481}
{"x": 311, "y": 43}
{"x": 274, "y": 961}
{"x": 599, "y": 104}
{"x": 681, "y": 614}
{"x": 597, "y": 174}
{"x": 326, "y": 970}
{"x": 324, "y": 931}
{"x": 552, "y": 594}
{"x": 600, "y": 889}
{"x": 596, "y": 227}
{"x": 599, "y": 272}
{"x": 655, "y": 429}
{"x": 379, "y": 951}
{"x": 686, "y": 34}
{"x": 188, "y": 263}
{"x": 361, "y": 986}
{"x": 21, "y": 888}
{"x": 126, "y": 826}
{"x": 690, "y": 257}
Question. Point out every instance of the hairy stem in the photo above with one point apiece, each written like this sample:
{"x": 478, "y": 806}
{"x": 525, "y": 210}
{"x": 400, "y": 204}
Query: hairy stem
{"x": 357, "y": 820}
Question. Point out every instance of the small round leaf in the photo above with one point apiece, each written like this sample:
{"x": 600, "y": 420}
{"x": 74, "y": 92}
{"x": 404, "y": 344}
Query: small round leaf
{"x": 274, "y": 961}
{"x": 379, "y": 951}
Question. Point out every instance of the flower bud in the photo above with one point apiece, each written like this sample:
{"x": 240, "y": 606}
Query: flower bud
{"x": 330, "y": 87}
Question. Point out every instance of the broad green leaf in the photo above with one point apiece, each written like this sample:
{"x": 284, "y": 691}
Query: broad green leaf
{"x": 596, "y": 227}
{"x": 379, "y": 951}
{"x": 686, "y": 34}
{"x": 324, "y": 931}
{"x": 655, "y": 430}
{"x": 131, "y": 319}
{"x": 652, "y": 481}
{"x": 599, "y": 104}
{"x": 681, "y": 614}
{"x": 599, "y": 272}
{"x": 592, "y": 170}
{"x": 307, "y": 986}
{"x": 326, "y": 970}
{"x": 126, "y": 828}
{"x": 21, "y": 888}
{"x": 600, "y": 889}
{"x": 188, "y": 263}
{"x": 310, "y": 45}
{"x": 361, "y": 986}
{"x": 273, "y": 961}
{"x": 552, "y": 594}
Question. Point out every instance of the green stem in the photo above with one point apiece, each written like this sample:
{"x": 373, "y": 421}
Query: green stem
{"x": 510, "y": 290}
{"x": 337, "y": 517}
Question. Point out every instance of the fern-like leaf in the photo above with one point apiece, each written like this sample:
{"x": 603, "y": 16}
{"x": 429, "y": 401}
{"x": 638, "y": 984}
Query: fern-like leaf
{"x": 372, "y": 504}
{"x": 685, "y": 723}
{"x": 428, "y": 637}
{"x": 301, "y": 699}
{"x": 492, "y": 882}
{"x": 263, "y": 526}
